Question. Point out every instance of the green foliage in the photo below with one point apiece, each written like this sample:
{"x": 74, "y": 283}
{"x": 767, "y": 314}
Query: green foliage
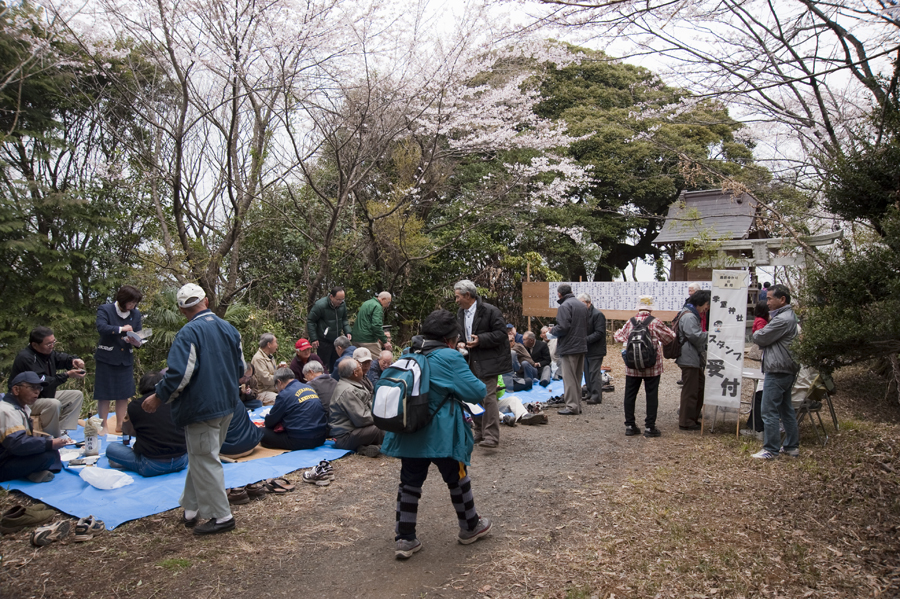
{"x": 852, "y": 303}
{"x": 639, "y": 139}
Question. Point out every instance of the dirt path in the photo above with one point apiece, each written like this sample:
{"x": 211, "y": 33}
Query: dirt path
{"x": 569, "y": 503}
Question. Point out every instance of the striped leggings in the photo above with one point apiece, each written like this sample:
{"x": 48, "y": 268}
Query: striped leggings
{"x": 413, "y": 472}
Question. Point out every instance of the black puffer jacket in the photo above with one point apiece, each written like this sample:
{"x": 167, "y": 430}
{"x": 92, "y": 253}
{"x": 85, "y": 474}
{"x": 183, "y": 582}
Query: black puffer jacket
{"x": 571, "y": 327}
{"x": 492, "y": 356}
{"x": 596, "y": 333}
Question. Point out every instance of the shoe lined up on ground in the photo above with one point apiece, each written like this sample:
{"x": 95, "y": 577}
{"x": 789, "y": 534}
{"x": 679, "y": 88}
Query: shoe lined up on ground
{"x": 238, "y": 496}
{"x": 466, "y": 537}
{"x": 44, "y": 535}
{"x": 534, "y": 408}
{"x": 318, "y": 475}
{"x": 18, "y": 517}
{"x": 86, "y": 528}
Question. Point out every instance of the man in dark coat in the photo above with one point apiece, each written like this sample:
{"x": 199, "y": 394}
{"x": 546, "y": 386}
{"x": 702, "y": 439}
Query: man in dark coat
{"x": 571, "y": 330}
{"x": 327, "y": 320}
{"x": 596, "y": 350}
{"x": 488, "y": 346}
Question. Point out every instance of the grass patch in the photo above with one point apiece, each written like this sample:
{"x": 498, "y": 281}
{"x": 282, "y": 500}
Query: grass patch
{"x": 175, "y": 563}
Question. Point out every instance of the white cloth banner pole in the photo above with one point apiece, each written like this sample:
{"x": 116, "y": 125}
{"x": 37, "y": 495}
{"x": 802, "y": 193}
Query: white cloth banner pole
{"x": 727, "y": 328}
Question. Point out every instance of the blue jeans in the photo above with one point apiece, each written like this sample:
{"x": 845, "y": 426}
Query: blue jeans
{"x": 124, "y": 456}
{"x": 776, "y": 405}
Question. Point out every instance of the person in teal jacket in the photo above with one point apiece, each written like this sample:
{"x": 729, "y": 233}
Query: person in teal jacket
{"x": 446, "y": 442}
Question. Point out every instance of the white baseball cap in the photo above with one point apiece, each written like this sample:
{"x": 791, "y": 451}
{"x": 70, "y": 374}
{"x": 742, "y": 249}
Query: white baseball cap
{"x": 362, "y": 354}
{"x": 190, "y": 295}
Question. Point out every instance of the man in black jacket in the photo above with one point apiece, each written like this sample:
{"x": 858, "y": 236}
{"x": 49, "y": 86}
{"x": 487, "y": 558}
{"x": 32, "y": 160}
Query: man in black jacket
{"x": 489, "y": 356}
{"x": 540, "y": 353}
{"x": 571, "y": 330}
{"x": 58, "y": 410}
{"x": 596, "y": 350}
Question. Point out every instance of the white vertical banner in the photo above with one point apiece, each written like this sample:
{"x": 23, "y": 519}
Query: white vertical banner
{"x": 725, "y": 345}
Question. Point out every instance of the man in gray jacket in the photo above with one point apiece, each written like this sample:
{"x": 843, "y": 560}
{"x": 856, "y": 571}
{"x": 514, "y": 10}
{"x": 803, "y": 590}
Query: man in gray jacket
{"x": 780, "y": 370}
{"x": 350, "y": 412}
{"x": 571, "y": 330}
{"x": 596, "y": 350}
{"x": 692, "y": 360}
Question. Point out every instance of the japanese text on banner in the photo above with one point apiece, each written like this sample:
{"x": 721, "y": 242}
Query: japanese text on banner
{"x": 727, "y": 329}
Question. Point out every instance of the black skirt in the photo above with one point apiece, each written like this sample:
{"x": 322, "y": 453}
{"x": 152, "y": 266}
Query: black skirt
{"x": 113, "y": 382}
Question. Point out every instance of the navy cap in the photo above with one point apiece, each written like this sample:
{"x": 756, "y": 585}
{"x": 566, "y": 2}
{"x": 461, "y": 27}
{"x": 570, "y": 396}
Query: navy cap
{"x": 509, "y": 325}
{"x": 28, "y": 377}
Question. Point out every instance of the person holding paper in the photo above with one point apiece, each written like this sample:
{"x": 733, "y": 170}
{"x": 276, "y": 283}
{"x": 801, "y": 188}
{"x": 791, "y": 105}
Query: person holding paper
{"x": 114, "y": 355}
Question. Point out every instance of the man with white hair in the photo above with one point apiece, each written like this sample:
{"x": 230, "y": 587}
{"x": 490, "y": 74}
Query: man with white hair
{"x": 488, "y": 347}
{"x": 263, "y": 362}
{"x": 322, "y": 383}
{"x": 385, "y": 359}
{"x": 201, "y": 382}
{"x": 368, "y": 330}
{"x": 350, "y": 416}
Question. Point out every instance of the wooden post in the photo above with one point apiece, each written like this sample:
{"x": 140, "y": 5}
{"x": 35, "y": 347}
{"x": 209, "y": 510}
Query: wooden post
{"x": 528, "y": 280}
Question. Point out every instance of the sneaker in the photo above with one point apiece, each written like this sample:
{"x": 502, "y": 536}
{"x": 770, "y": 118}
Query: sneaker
{"x": 530, "y": 419}
{"x": 327, "y": 469}
{"x": 86, "y": 528}
{"x": 317, "y": 476}
{"x": 765, "y": 455}
{"x": 405, "y": 548}
{"x": 45, "y": 535}
{"x": 794, "y": 453}
{"x": 467, "y": 537}
{"x": 631, "y": 430}
{"x": 652, "y": 431}
{"x": 508, "y": 419}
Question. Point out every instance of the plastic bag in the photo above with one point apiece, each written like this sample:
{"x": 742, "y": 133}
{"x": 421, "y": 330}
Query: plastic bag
{"x": 104, "y": 479}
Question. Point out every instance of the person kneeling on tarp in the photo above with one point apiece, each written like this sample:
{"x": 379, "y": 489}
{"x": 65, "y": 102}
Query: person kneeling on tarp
{"x": 159, "y": 447}
{"x": 297, "y": 420}
{"x": 23, "y": 455}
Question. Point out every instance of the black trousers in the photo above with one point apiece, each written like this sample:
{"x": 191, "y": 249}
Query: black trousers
{"x": 274, "y": 440}
{"x": 651, "y": 388}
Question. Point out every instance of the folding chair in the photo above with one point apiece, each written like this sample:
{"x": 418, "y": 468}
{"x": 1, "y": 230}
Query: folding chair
{"x": 812, "y": 384}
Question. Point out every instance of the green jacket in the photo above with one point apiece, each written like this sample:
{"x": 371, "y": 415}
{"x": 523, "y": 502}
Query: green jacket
{"x": 325, "y": 316}
{"x": 368, "y": 323}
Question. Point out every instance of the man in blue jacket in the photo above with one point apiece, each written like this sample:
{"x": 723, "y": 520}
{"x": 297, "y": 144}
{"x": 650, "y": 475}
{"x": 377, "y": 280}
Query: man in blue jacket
{"x": 297, "y": 420}
{"x": 21, "y": 453}
{"x": 205, "y": 363}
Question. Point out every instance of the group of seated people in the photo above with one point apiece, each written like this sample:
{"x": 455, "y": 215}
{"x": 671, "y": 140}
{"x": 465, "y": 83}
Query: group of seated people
{"x": 309, "y": 406}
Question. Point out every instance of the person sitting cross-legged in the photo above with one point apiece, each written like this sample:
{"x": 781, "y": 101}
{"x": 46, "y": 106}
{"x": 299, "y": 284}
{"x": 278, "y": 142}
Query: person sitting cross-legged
{"x": 297, "y": 420}
{"x": 159, "y": 446}
{"x": 350, "y": 414}
{"x": 22, "y": 454}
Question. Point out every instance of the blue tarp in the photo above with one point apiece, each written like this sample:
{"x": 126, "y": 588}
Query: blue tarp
{"x": 147, "y": 496}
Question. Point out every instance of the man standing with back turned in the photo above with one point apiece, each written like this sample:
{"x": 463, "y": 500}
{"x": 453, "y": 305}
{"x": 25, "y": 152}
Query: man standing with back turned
{"x": 571, "y": 330}
{"x": 204, "y": 365}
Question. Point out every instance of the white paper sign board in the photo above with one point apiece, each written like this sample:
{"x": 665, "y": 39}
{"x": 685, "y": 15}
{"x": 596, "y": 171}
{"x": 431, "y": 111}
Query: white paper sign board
{"x": 725, "y": 349}
{"x": 668, "y": 295}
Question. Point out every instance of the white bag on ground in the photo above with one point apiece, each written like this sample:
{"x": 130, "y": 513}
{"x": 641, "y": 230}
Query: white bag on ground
{"x": 105, "y": 479}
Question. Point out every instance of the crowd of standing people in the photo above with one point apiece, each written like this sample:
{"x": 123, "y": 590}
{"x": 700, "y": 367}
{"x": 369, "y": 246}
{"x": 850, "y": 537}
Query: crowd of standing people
{"x": 195, "y": 411}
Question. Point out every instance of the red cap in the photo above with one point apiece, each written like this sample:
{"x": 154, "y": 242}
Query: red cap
{"x": 302, "y": 344}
